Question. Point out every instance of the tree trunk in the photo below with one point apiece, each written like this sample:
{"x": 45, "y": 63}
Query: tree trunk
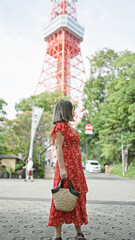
{"x": 126, "y": 156}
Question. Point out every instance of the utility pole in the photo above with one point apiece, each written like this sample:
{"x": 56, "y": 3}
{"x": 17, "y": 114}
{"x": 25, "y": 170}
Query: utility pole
{"x": 87, "y": 148}
{"x": 122, "y": 153}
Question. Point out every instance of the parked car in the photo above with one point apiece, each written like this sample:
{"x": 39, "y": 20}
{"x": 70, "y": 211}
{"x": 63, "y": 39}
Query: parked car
{"x": 93, "y": 166}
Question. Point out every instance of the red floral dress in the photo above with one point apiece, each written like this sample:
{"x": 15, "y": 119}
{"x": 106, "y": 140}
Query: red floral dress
{"x": 73, "y": 165}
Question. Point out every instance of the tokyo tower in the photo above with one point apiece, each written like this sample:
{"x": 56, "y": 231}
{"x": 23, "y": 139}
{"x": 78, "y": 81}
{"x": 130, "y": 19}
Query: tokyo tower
{"x": 63, "y": 67}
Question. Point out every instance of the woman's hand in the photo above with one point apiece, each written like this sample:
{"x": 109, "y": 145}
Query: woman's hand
{"x": 63, "y": 173}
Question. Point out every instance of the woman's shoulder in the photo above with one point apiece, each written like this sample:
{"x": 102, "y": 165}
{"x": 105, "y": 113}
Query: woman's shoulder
{"x": 61, "y": 124}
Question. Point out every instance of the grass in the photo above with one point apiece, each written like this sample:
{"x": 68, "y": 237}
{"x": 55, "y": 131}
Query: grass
{"x": 117, "y": 170}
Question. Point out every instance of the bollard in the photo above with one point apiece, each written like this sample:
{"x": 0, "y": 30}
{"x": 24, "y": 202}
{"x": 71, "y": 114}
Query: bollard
{"x": 106, "y": 169}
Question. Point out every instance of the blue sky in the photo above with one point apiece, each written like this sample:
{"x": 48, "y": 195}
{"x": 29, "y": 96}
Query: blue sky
{"x": 107, "y": 23}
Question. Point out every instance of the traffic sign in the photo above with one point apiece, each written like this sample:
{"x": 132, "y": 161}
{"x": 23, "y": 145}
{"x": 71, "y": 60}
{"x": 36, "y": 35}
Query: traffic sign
{"x": 88, "y": 129}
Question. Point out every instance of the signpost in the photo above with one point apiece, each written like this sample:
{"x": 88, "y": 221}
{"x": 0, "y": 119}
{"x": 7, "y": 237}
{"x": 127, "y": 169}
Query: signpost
{"x": 88, "y": 130}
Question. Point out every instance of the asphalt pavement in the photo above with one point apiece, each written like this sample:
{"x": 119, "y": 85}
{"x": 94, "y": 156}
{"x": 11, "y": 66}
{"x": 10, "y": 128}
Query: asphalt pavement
{"x": 24, "y": 209}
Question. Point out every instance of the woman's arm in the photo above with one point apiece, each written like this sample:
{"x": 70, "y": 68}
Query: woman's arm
{"x": 59, "y": 138}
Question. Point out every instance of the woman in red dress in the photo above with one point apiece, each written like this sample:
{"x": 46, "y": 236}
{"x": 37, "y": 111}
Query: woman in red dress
{"x": 69, "y": 164}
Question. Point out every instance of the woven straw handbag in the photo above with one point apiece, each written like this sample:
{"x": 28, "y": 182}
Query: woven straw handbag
{"x": 65, "y": 198}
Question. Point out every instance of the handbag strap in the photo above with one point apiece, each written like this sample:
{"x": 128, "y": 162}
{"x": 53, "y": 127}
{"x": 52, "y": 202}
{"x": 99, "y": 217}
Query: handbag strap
{"x": 70, "y": 183}
{"x": 71, "y": 188}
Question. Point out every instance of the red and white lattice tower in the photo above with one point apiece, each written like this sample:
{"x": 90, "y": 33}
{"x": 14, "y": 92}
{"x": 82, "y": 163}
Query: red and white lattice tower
{"x": 63, "y": 66}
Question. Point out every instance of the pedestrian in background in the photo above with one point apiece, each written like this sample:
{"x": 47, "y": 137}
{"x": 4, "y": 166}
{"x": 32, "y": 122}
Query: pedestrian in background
{"x": 68, "y": 164}
{"x": 29, "y": 168}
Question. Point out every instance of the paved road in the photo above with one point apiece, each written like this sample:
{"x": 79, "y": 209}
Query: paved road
{"x": 24, "y": 209}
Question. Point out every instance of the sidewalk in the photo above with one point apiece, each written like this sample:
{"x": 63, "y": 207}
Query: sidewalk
{"x": 24, "y": 209}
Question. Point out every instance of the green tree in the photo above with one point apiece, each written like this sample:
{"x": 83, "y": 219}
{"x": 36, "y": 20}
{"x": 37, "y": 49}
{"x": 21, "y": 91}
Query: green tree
{"x": 18, "y": 132}
{"x": 45, "y": 100}
{"x": 109, "y": 101}
{"x": 2, "y": 111}
{"x": 3, "y": 120}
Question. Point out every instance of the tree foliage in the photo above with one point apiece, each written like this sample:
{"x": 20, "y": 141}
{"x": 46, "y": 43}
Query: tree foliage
{"x": 109, "y": 103}
{"x": 18, "y": 131}
{"x": 2, "y": 125}
{"x": 2, "y": 111}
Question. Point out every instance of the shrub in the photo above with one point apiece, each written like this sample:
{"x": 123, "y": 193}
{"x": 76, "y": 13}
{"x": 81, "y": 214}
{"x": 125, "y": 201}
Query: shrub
{"x": 41, "y": 174}
{"x": 18, "y": 166}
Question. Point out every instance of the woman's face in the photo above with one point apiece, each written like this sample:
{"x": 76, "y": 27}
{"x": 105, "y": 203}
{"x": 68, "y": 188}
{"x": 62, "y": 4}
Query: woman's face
{"x": 73, "y": 111}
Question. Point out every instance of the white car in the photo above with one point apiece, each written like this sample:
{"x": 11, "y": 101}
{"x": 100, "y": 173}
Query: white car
{"x": 93, "y": 166}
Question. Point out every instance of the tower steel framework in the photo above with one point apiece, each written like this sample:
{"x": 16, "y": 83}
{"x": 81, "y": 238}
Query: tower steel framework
{"x": 63, "y": 66}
